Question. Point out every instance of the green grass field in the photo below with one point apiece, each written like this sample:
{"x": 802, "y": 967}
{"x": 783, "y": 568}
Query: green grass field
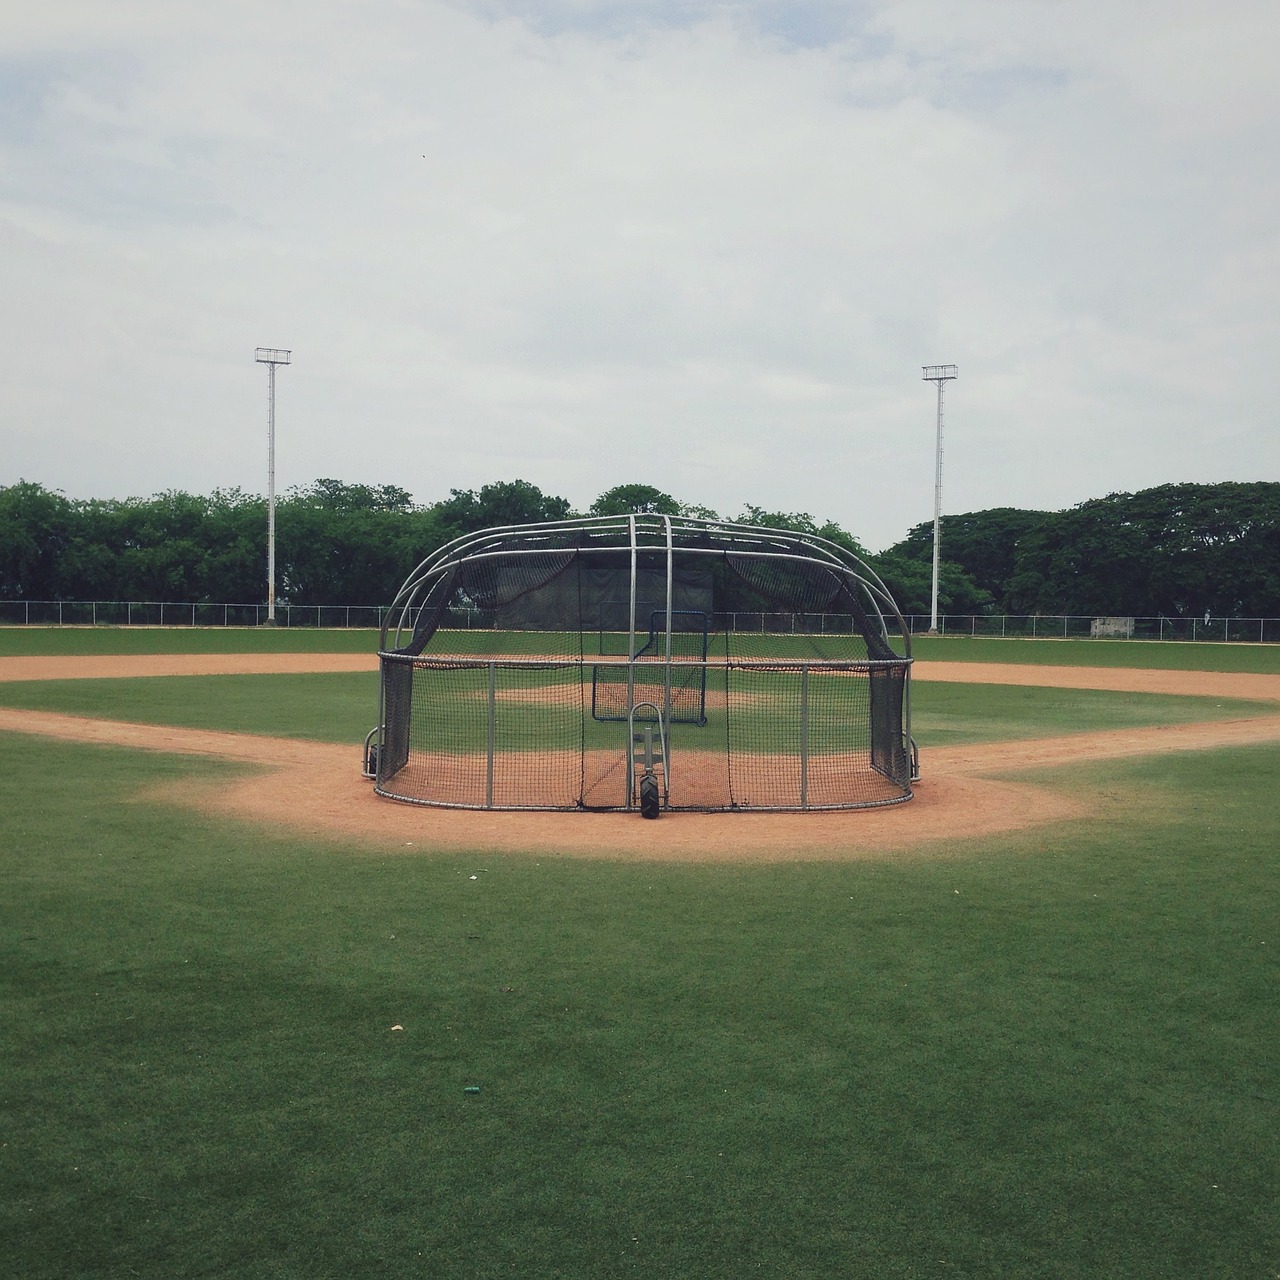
{"x": 1049, "y": 1054}
{"x": 1169, "y": 655}
{"x": 72, "y": 641}
{"x": 343, "y": 707}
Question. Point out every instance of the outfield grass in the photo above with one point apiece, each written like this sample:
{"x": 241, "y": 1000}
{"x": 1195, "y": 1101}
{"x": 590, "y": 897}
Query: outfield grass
{"x": 1048, "y": 1055}
{"x": 73, "y": 641}
{"x": 328, "y": 707}
{"x": 1164, "y": 655}
{"x": 945, "y": 714}
{"x": 344, "y": 707}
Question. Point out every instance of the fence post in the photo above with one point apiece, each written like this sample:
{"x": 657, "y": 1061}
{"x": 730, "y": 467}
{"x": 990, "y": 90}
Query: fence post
{"x": 490, "y": 735}
{"x": 804, "y": 736}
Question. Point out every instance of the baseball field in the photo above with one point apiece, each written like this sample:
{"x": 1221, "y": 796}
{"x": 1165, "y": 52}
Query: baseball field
{"x": 258, "y": 1022}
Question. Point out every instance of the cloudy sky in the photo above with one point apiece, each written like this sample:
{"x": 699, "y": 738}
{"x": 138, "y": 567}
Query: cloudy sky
{"x": 702, "y": 246}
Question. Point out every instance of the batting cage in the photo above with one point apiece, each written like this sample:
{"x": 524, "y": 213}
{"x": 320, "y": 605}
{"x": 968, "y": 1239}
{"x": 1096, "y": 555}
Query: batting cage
{"x": 644, "y": 662}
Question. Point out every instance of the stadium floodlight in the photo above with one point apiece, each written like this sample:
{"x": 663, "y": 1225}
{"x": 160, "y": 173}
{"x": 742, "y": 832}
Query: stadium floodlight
{"x": 941, "y": 374}
{"x": 271, "y": 356}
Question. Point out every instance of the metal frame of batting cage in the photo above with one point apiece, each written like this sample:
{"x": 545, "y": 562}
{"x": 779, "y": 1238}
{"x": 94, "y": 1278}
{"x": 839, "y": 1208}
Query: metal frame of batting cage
{"x": 632, "y": 535}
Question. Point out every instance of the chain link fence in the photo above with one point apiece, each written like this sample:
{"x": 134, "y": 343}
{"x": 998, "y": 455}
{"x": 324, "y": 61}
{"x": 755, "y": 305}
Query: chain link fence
{"x": 152, "y": 613}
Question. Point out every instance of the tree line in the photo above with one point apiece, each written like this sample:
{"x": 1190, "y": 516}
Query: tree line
{"x": 1176, "y": 550}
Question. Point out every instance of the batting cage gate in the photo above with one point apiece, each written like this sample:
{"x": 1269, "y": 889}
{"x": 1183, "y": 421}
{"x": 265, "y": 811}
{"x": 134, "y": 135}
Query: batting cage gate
{"x": 643, "y": 662}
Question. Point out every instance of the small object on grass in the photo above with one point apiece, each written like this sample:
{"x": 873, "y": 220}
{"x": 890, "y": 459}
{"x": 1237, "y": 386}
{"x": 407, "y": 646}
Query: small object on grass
{"x": 397, "y": 1027}
{"x": 470, "y": 1088}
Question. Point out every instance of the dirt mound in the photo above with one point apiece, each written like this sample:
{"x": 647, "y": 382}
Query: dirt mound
{"x": 316, "y": 789}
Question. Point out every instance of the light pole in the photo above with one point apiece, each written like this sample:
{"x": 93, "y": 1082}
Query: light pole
{"x": 941, "y": 374}
{"x": 271, "y": 356}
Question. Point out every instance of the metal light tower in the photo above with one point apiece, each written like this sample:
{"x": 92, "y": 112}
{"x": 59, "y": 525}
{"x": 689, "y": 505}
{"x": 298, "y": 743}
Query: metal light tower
{"x": 941, "y": 374}
{"x": 271, "y": 356}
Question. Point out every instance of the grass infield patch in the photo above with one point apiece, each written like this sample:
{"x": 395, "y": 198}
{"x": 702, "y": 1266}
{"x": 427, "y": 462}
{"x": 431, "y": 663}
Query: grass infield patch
{"x": 343, "y": 707}
{"x": 328, "y": 707}
{"x": 1049, "y": 1055}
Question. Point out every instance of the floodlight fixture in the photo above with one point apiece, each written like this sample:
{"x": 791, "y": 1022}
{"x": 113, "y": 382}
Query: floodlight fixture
{"x": 941, "y": 374}
{"x": 271, "y": 357}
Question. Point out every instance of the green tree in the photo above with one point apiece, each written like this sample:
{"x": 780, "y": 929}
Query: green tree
{"x": 35, "y": 525}
{"x": 982, "y": 544}
{"x": 635, "y": 499}
{"x": 910, "y": 583}
{"x": 351, "y": 544}
{"x": 503, "y": 503}
{"x": 1177, "y": 550}
{"x": 334, "y": 495}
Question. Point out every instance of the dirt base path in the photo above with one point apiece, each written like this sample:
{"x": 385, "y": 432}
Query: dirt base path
{"x": 316, "y": 788}
{"x": 1217, "y": 684}
{"x": 117, "y": 666}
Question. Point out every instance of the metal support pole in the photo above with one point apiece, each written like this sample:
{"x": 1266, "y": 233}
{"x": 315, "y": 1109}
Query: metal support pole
{"x": 941, "y": 374}
{"x": 631, "y": 630}
{"x": 490, "y": 735}
{"x": 271, "y": 493}
{"x": 937, "y": 515}
{"x": 271, "y": 356}
{"x": 666, "y": 683}
{"x": 804, "y": 736}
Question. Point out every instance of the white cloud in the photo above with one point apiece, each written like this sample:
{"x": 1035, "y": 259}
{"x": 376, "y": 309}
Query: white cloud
{"x": 702, "y": 246}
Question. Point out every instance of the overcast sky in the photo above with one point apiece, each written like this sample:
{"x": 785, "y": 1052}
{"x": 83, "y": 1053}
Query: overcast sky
{"x": 696, "y": 245}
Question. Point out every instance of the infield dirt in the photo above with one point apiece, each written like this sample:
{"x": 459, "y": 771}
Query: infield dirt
{"x": 316, "y": 789}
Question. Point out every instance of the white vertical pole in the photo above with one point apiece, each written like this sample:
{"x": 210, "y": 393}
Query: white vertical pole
{"x": 271, "y": 493}
{"x": 631, "y": 613}
{"x": 490, "y": 735}
{"x": 804, "y": 736}
{"x": 666, "y": 692}
{"x": 937, "y": 515}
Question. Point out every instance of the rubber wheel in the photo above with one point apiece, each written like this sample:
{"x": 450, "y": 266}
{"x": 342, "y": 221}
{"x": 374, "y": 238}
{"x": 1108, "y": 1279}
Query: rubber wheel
{"x": 650, "y": 798}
